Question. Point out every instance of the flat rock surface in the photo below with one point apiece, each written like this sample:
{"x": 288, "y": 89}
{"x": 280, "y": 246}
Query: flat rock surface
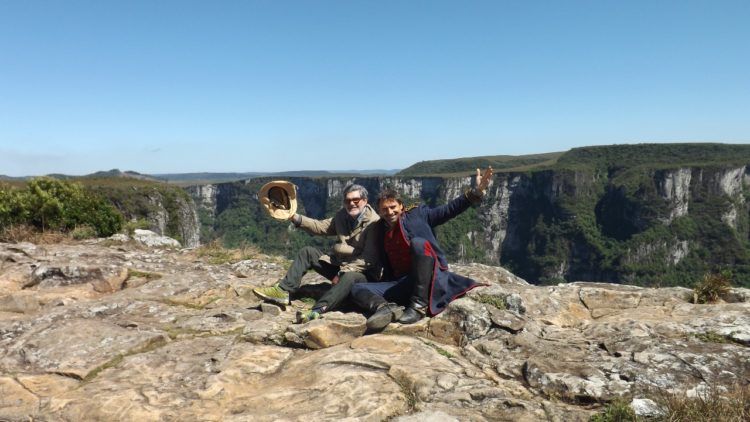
{"x": 114, "y": 330}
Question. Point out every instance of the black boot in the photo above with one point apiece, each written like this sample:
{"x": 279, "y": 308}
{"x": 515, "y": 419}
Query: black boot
{"x": 413, "y": 313}
{"x": 386, "y": 313}
{"x": 422, "y": 271}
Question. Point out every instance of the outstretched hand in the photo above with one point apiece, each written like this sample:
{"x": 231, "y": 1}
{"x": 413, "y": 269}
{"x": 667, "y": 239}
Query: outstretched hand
{"x": 483, "y": 180}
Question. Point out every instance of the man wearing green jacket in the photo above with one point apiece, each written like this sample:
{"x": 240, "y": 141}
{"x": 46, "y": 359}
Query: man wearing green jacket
{"x": 354, "y": 258}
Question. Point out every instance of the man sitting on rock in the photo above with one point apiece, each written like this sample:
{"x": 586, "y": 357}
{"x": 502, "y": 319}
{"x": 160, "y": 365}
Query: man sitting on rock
{"x": 414, "y": 260}
{"x": 354, "y": 259}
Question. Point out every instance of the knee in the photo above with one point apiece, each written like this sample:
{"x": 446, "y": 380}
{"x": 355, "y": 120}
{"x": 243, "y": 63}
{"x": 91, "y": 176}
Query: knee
{"x": 351, "y": 278}
{"x": 308, "y": 251}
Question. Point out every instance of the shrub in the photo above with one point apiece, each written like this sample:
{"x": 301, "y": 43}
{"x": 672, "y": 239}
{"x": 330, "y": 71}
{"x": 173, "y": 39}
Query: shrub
{"x": 713, "y": 404}
{"x": 136, "y": 224}
{"x": 617, "y": 411}
{"x": 83, "y": 232}
{"x": 48, "y": 203}
{"x": 712, "y": 287}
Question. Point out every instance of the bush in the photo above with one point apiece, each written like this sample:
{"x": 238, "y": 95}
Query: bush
{"x": 48, "y": 203}
{"x": 712, "y": 287}
{"x": 83, "y": 232}
{"x": 714, "y": 404}
{"x": 137, "y": 224}
{"x": 617, "y": 411}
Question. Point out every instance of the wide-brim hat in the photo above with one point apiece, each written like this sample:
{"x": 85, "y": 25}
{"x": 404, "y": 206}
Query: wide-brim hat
{"x": 279, "y": 198}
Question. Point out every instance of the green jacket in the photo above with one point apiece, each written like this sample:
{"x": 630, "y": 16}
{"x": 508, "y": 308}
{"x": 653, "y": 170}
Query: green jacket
{"x": 358, "y": 247}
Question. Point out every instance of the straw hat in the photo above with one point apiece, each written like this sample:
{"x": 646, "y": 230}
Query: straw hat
{"x": 279, "y": 198}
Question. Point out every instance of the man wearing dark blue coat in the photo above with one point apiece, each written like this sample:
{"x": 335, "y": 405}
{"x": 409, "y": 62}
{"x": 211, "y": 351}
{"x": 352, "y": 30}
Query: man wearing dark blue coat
{"x": 414, "y": 262}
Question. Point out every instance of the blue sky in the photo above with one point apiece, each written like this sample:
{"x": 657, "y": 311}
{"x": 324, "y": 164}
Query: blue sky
{"x": 181, "y": 86}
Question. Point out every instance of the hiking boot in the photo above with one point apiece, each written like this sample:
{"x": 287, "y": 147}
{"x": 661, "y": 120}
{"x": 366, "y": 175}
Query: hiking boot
{"x": 274, "y": 294}
{"x": 307, "y": 316}
{"x": 386, "y": 313}
{"x": 412, "y": 314}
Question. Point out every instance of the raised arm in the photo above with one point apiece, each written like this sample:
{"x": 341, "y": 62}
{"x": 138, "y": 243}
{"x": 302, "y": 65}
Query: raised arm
{"x": 439, "y": 215}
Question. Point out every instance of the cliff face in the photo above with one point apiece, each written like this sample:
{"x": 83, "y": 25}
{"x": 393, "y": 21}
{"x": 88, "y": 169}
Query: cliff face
{"x": 649, "y": 226}
{"x": 167, "y": 210}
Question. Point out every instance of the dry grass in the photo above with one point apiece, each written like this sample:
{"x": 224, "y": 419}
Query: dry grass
{"x": 215, "y": 253}
{"x": 715, "y": 404}
{"x": 712, "y": 287}
{"x": 24, "y": 233}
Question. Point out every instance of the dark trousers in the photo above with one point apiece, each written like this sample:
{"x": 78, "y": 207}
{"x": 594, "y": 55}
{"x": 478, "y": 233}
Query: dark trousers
{"x": 308, "y": 258}
{"x": 403, "y": 290}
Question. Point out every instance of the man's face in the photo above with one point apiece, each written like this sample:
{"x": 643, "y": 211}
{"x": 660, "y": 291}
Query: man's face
{"x": 389, "y": 210}
{"x": 354, "y": 203}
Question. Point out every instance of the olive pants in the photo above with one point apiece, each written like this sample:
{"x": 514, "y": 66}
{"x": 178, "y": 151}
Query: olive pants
{"x": 308, "y": 258}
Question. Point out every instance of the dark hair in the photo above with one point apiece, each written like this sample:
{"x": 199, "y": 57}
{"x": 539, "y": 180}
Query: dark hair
{"x": 351, "y": 188}
{"x": 389, "y": 194}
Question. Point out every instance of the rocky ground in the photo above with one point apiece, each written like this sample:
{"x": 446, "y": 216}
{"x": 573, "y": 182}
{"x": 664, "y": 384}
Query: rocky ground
{"x": 115, "y": 330}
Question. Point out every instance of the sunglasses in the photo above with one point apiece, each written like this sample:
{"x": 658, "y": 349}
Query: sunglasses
{"x": 354, "y": 201}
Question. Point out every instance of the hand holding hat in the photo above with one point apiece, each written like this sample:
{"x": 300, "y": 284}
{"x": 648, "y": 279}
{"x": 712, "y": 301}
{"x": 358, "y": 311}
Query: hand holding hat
{"x": 279, "y": 198}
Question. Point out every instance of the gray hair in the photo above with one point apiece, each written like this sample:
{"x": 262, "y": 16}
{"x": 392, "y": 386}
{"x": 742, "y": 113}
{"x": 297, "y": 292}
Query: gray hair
{"x": 352, "y": 187}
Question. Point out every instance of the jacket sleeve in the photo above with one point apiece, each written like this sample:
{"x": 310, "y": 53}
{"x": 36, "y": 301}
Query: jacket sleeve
{"x": 368, "y": 258}
{"x": 318, "y": 227}
{"x": 442, "y": 214}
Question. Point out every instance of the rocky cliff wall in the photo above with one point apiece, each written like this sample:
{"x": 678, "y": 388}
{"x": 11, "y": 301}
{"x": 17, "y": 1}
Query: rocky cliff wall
{"x": 649, "y": 226}
{"x": 167, "y": 210}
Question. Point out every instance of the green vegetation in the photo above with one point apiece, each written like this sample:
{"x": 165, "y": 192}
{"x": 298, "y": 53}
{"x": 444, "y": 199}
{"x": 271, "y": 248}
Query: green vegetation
{"x": 440, "y": 350}
{"x": 241, "y": 220}
{"x": 715, "y": 404}
{"x": 139, "y": 200}
{"x": 711, "y": 337}
{"x": 495, "y": 301}
{"x": 50, "y": 204}
{"x": 142, "y": 274}
{"x": 619, "y": 157}
{"x": 712, "y": 287}
{"x": 83, "y": 232}
{"x": 462, "y": 166}
{"x": 131, "y": 226}
{"x": 616, "y": 411}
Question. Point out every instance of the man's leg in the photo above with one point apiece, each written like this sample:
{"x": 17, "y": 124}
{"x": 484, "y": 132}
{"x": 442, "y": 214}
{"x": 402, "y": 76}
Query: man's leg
{"x": 339, "y": 291}
{"x": 333, "y": 297}
{"x": 374, "y": 297}
{"x": 422, "y": 272}
{"x": 306, "y": 259}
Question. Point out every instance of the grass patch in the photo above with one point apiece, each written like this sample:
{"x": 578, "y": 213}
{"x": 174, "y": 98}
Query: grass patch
{"x": 110, "y": 364}
{"x": 153, "y": 344}
{"x": 711, "y": 337}
{"x": 83, "y": 232}
{"x": 617, "y": 411}
{"x": 172, "y": 302}
{"x": 712, "y": 287}
{"x": 440, "y": 350}
{"x": 409, "y": 395}
{"x": 142, "y": 274}
{"x": 714, "y": 404}
{"x": 215, "y": 253}
{"x": 176, "y": 333}
{"x": 495, "y": 301}
{"x": 25, "y": 233}
{"x": 130, "y": 227}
